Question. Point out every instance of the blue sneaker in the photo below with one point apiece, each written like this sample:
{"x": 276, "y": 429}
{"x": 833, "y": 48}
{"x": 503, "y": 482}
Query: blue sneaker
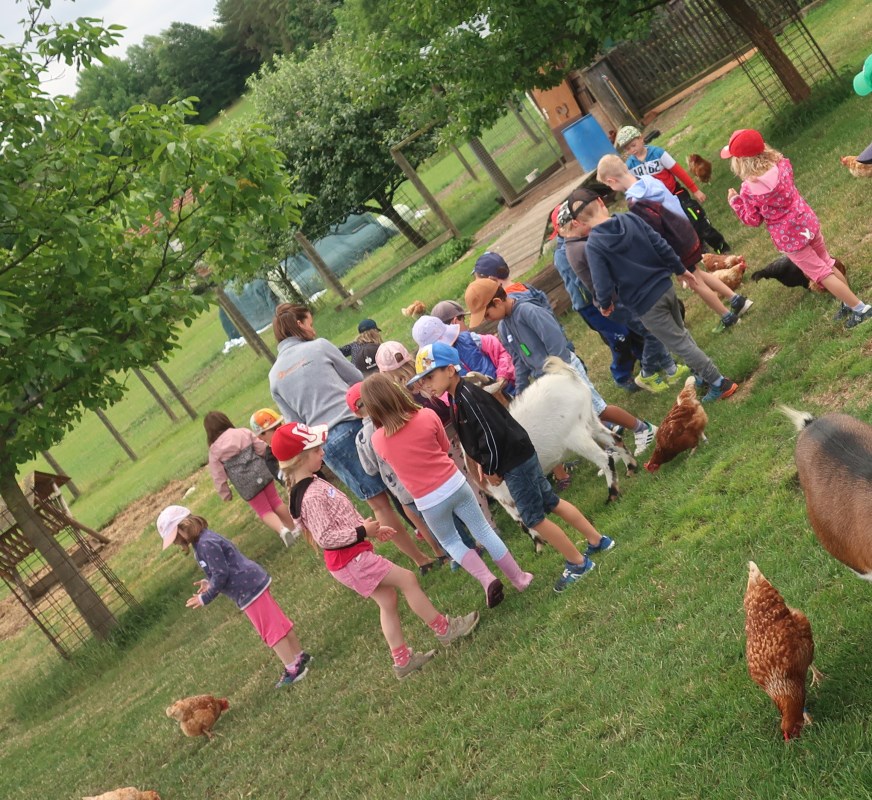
{"x": 604, "y": 546}
{"x": 722, "y": 392}
{"x": 572, "y": 573}
{"x": 295, "y": 673}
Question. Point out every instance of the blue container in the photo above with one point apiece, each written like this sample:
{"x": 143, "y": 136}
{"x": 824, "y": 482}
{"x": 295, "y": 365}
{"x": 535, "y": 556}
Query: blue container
{"x": 588, "y": 142}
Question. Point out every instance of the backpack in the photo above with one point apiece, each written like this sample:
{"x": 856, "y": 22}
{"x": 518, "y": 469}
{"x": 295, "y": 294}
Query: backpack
{"x": 248, "y": 472}
{"x": 677, "y": 231}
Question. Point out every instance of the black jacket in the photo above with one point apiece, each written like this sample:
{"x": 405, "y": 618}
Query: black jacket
{"x": 489, "y": 434}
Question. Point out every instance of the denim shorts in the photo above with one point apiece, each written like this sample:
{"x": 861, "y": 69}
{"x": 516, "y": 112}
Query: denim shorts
{"x": 531, "y": 491}
{"x": 340, "y": 454}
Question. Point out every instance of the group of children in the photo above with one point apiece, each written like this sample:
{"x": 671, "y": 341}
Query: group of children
{"x": 625, "y": 267}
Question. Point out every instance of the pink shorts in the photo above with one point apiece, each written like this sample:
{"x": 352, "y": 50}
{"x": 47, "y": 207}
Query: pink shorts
{"x": 268, "y": 619}
{"x": 813, "y": 259}
{"x": 265, "y": 501}
{"x": 364, "y": 572}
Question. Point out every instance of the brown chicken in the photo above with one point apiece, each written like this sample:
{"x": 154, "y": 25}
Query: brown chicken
{"x": 730, "y": 269}
{"x": 779, "y": 650}
{"x": 416, "y": 309}
{"x": 682, "y": 429}
{"x": 128, "y": 793}
{"x": 196, "y": 715}
{"x": 856, "y": 168}
{"x": 700, "y": 167}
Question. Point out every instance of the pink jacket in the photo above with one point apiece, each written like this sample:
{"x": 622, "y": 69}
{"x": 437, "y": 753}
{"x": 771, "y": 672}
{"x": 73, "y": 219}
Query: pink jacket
{"x": 230, "y": 443}
{"x": 788, "y": 218}
{"x": 329, "y": 516}
{"x": 493, "y": 348}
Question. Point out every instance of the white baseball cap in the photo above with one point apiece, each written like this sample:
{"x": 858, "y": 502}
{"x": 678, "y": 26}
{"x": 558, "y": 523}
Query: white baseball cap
{"x": 168, "y": 523}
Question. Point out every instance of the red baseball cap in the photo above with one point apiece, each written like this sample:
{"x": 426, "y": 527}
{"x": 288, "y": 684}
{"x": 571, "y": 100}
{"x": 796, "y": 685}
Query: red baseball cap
{"x": 352, "y": 396}
{"x": 744, "y": 143}
{"x": 290, "y": 440}
{"x": 554, "y": 223}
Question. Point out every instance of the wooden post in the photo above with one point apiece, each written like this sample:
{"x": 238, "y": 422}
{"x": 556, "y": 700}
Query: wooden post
{"x": 523, "y": 123}
{"x": 324, "y": 271}
{"x": 250, "y": 335}
{"x": 156, "y": 395}
{"x": 118, "y": 437}
{"x": 466, "y": 165}
{"x": 176, "y": 392}
{"x": 412, "y": 175}
{"x": 500, "y": 181}
{"x": 74, "y": 490}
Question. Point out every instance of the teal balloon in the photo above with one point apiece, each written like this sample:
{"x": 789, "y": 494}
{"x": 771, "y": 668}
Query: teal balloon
{"x": 867, "y": 69}
{"x": 862, "y": 84}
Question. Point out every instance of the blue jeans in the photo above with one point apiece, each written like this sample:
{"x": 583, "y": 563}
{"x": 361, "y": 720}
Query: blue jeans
{"x": 463, "y": 503}
{"x": 625, "y": 345}
{"x": 655, "y": 356}
{"x": 340, "y": 454}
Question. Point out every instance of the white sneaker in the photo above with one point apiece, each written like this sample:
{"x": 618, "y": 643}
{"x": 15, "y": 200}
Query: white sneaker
{"x": 289, "y": 537}
{"x": 644, "y": 438}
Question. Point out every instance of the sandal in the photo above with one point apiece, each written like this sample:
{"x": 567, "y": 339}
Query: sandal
{"x": 423, "y": 569}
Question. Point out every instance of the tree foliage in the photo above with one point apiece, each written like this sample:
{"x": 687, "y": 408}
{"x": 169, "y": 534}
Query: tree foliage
{"x": 261, "y": 29}
{"x": 95, "y": 255}
{"x": 336, "y": 144}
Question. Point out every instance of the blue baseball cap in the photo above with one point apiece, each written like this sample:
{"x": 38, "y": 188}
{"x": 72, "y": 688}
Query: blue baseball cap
{"x": 491, "y": 265}
{"x": 432, "y": 357}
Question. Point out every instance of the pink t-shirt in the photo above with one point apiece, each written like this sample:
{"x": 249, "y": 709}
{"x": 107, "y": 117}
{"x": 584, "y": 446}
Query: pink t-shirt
{"x": 418, "y": 453}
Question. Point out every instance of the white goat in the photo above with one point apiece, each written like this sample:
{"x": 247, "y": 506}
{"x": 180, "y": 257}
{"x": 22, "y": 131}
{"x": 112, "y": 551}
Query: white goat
{"x": 557, "y": 412}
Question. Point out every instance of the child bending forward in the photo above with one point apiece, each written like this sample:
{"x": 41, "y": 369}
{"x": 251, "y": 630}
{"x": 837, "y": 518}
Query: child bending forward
{"x": 334, "y": 525}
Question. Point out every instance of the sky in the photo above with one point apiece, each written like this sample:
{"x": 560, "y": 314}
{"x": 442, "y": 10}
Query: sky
{"x": 140, "y": 17}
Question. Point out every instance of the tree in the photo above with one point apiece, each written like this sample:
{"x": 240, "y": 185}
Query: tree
{"x": 101, "y": 222}
{"x": 482, "y": 53}
{"x": 261, "y": 29}
{"x": 336, "y": 144}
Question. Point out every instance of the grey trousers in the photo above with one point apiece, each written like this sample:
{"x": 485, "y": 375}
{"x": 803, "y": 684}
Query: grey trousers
{"x": 664, "y": 321}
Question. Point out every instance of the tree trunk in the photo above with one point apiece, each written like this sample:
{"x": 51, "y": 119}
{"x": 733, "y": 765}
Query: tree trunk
{"x": 402, "y": 225}
{"x": 531, "y": 134}
{"x": 176, "y": 392}
{"x": 93, "y": 610}
{"x": 496, "y": 175}
{"x": 250, "y": 335}
{"x": 156, "y": 395}
{"x": 764, "y": 40}
{"x": 464, "y": 163}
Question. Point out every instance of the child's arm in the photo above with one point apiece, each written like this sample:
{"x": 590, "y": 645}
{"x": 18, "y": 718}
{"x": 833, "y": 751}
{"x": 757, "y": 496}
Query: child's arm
{"x": 747, "y": 214}
{"x": 603, "y": 283}
{"x": 680, "y": 174}
{"x": 522, "y": 370}
{"x": 219, "y": 476}
{"x": 547, "y": 329}
{"x": 210, "y": 554}
{"x": 499, "y": 356}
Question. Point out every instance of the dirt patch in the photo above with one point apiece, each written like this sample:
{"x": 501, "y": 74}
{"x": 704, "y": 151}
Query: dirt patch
{"x": 127, "y": 526}
{"x": 851, "y": 392}
{"x": 765, "y": 357}
{"x": 674, "y": 139}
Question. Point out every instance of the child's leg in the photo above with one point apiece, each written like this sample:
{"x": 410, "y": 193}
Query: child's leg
{"x": 288, "y": 648}
{"x": 406, "y": 582}
{"x": 837, "y": 285}
{"x": 706, "y": 293}
{"x": 553, "y": 535}
{"x": 422, "y": 528}
{"x": 715, "y": 284}
{"x": 572, "y": 515}
{"x": 385, "y": 514}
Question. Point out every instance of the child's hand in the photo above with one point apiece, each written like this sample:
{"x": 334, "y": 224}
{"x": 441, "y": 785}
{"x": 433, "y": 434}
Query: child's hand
{"x": 690, "y": 279}
{"x": 700, "y": 197}
{"x": 194, "y": 602}
{"x": 731, "y": 193}
{"x": 202, "y": 586}
{"x": 606, "y": 312}
{"x": 371, "y": 526}
{"x": 385, "y": 534}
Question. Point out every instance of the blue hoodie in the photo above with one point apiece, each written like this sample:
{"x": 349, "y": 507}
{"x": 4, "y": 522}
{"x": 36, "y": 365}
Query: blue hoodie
{"x": 627, "y": 256}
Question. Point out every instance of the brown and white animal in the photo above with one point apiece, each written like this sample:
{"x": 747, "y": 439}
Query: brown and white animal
{"x": 127, "y": 793}
{"x": 730, "y": 269}
{"x": 491, "y": 386}
{"x": 416, "y": 309}
{"x": 857, "y": 168}
{"x": 700, "y": 167}
{"x": 557, "y": 412}
{"x": 683, "y": 428}
{"x": 779, "y": 650}
{"x": 834, "y": 459}
{"x": 196, "y": 715}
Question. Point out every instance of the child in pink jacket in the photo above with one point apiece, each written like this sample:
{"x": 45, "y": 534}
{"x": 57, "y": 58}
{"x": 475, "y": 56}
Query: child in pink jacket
{"x": 769, "y": 196}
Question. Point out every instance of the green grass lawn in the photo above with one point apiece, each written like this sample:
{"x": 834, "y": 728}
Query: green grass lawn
{"x": 632, "y": 683}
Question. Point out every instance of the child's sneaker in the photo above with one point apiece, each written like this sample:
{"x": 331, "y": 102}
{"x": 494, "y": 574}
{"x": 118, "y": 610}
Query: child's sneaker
{"x": 857, "y": 317}
{"x": 459, "y": 627}
{"x": 676, "y": 378}
{"x": 605, "y": 544}
{"x": 740, "y": 304}
{"x": 295, "y": 673}
{"x": 572, "y": 573}
{"x": 727, "y": 321}
{"x": 644, "y": 438}
{"x": 843, "y": 313}
{"x": 415, "y": 662}
{"x": 725, "y": 390}
{"x": 289, "y": 537}
{"x": 652, "y": 383}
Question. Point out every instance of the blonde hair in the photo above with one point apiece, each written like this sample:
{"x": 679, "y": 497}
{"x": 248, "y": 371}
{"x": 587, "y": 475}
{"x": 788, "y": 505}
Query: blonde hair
{"x": 371, "y": 336}
{"x": 288, "y": 468}
{"x": 389, "y": 405}
{"x": 402, "y": 374}
{"x": 189, "y": 530}
{"x": 751, "y": 167}
{"x": 611, "y": 166}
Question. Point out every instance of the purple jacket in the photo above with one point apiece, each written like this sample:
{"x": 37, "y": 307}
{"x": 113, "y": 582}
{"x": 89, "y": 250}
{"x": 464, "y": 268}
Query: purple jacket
{"x": 788, "y": 218}
{"x": 229, "y": 572}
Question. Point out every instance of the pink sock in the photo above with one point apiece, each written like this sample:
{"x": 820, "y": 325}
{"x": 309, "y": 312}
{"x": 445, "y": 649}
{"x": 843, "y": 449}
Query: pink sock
{"x": 439, "y": 625}
{"x": 401, "y": 655}
{"x": 518, "y": 578}
{"x": 473, "y": 564}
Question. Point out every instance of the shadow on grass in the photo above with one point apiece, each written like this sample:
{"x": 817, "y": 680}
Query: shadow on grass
{"x": 791, "y": 123}
{"x": 40, "y": 691}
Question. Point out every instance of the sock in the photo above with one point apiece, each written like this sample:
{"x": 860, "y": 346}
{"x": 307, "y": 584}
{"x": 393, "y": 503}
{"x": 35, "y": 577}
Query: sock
{"x": 671, "y": 370}
{"x": 640, "y": 426}
{"x": 439, "y": 625}
{"x": 719, "y": 381}
{"x": 518, "y": 578}
{"x": 401, "y": 655}
{"x": 860, "y": 308}
{"x": 295, "y": 663}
